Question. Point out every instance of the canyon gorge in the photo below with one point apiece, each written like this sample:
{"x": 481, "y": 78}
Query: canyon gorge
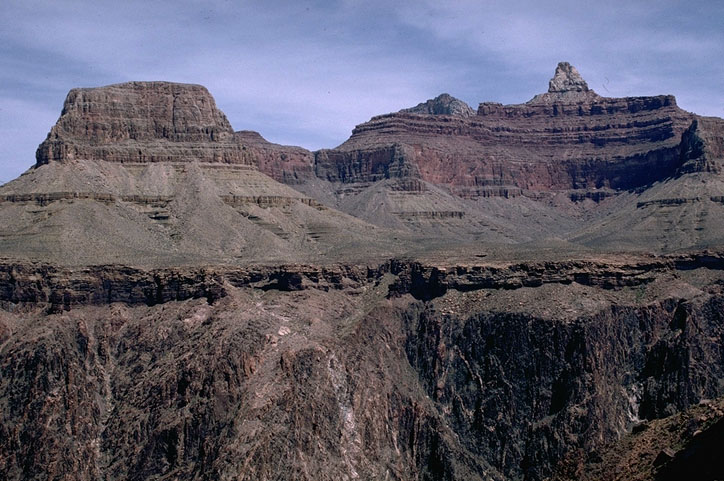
{"x": 530, "y": 291}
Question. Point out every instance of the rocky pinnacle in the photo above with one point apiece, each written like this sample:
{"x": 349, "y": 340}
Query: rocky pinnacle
{"x": 566, "y": 86}
{"x": 567, "y": 79}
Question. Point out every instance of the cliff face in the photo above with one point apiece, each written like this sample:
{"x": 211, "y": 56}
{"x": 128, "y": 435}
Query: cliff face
{"x": 702, "y": 146}
{"x": 568, "y": 138}
{"x": 522, "y": 390}
{"x": 141, "y": 122}
{"x": 405, "y": 370}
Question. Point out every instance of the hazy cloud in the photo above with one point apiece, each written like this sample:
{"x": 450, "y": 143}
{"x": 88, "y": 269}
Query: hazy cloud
{"x": 306, "y": 72}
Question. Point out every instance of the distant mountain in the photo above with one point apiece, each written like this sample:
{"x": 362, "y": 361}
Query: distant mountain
{"x": 633, "y": 173}
{"x": 152, "y": 173}
{"x": 568, "y": 166}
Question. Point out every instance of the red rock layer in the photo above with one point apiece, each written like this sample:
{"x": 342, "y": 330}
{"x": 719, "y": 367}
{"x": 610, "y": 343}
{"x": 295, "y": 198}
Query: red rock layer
{"x": 547, "y": 144}
{"x": 142, "y": 122}
{"x": 284, "y": 163}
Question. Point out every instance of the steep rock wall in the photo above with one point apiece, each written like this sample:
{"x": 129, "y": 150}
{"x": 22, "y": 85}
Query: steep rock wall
{"x": 523, "y": 391}
{"x": 405, "y": 371}
{"x": 599, "y": 143}
{"x": 141, "y": 122}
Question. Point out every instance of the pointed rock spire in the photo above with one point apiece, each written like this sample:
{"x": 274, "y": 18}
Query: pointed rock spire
{"x": 566, "y": 86}
{"x": 567, "y": 79}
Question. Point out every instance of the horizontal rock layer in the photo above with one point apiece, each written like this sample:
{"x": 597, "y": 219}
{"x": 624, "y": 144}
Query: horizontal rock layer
{"x": 604, "y": 143}
{"x": 44, "y": 283}
{"x": 159, "y": 122}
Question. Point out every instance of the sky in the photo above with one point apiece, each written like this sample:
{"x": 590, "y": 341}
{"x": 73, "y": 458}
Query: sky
{"x": 306, "y": 72}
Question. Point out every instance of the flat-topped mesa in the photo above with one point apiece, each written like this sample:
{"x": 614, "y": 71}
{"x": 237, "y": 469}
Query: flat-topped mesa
{"x": 566, "y": 138}
{"x": 443, "y": 104}
{"x": 141, "y": 122}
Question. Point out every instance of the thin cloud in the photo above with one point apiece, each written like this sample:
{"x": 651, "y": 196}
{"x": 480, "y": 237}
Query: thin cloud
{"x": 612, "y": 43}
{"x": 306, "y": 72}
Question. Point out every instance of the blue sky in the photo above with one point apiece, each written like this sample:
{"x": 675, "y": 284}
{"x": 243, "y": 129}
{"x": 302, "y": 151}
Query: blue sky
{"x": 306, "y": 72}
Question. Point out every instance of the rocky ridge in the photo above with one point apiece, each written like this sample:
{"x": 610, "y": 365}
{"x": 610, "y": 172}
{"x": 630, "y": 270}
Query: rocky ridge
{"x": 443, "y": 104}
{"x": 557, "y": 141}
{"x": 569, "y": 154}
